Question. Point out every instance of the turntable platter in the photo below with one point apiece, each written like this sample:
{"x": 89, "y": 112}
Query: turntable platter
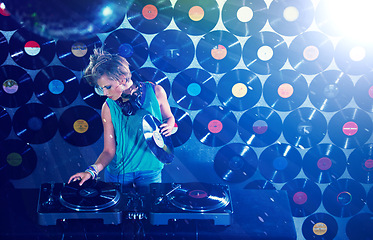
{"x": 91, "y": 196}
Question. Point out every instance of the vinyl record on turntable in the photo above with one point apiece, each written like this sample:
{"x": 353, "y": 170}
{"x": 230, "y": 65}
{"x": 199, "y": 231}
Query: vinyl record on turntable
{"x": 239, "y": 89}
{"x": 17, "y": 159}
{"x": 183, "y": 127}
{"x": 360, "y": 226}
{"x": 80, "y": 126}
{"x": 311, "y": 52}
{"x": 17, "y": 86}
{"x": 280, "y": 163}
{"x": 324, "y": 163}
{"x": 363, "y": 92}
{"x": 150, "y": 16}
{"x": 330, "y": 91}
{"x": 350, "y": 128}
{"x": 265, "y": 52}
{"x": 196, "y": 17}
{"x": 320, "y": 226}
{"x": 260, "y": 126}
{"x": 4, "y": 48}
{"x": 153, "y": 75}
{"x": 7, "y": 22}
{"x": 285, "y": 90}
{"x": 344, "y": 198}
{"x": 218, "y": 51}
{"x": 235, "y": 162}
{"x": 244, "y": 18}
{"x": 5, "y": 124}
{"x": 56, "y": 86}
{"x": 354, "y": 57}
{"x": 129, "y": 44}
{"x": 305, "y": 127}
{"x": 31, "y": 51}
{"x": 289, "y": 17}
{"x": 35, "y": 123}
{"x": 215, "y": 126}
{"x": 75, "y": 54}
{"x": 160, "y": 145}
{"x": 304, "y": 196}
{"x": 91, "y": 196}
{"x": 199, "y": 197}
{"x": 171, "y": 51}
{"x": 360, "y": 164}
{"x": 194, "y": 89}
{"x": 260, "y": 185}
{"x": 90, "y": 96}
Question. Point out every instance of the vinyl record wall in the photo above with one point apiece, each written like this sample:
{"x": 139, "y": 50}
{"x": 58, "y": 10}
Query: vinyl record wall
{"x": 266, "y": 95}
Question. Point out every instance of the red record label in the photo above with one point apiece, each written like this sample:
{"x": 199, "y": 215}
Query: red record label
{"x": 150, "y": 12}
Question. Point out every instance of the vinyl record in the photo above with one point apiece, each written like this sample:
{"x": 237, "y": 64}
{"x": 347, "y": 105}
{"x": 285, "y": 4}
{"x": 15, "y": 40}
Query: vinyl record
{"x": 324, "y": 163}
{"x": 7, "y": 22}
{"x": 350, "y": 128}
{"x": 218, "y": 51}
{"x": 260, "y": 185}
{"x": 260, "y": 126}
{"x": 90, "y": 96}
{"x": 235, "y": 162}
{"x": 30, "y": 50}
{"x": 75, "y": 54}
{"x": 244, "y": 18}
{"x": 360, "y": 164}
{"x": 290, "y": 17}
{"x": 5, "y": 124}
{"x": 325, "y": 21}
{"x": 360, "y": 227}
{"x": 265, "y": 52}
{"x": 129, "y": 44}
{"x": 330, "y": 91}
{"x": 285, "y": 90}
{"x": 160, "y": 145}
{"x": 215, "y": 126}
{"x": 304, "y": 196}
{"x": 280, "y": 163}
{"x": 150, "y": 16}
{"x": 17, "y": 159}
{"x": 153, "y": 75}
{"x": 311, "y": 52}
{"x": 194, "y": 89}
{"x": 363, "y": 92}
{"x": 80, "y": 126}
{"x": 199, "y": 197}
{"x": 57, "y": 86}
{"x": 171, "y": 51}
{"x": 91, "y": 196}
{"x": 344, "y": 198}
{"x": 305, "y": 127}
{"x": 239, "y": 89}
{"x": 17, "y": 86}
{"x": 370, "y": 199}
{"x": 35, "y": 123}
{"x": 320, "y": 226}
{"x": 183, "y": 127}
{"x": 196, "y": 17}
{"x": 354, "y": 57}
{"x": 4, "y": 48}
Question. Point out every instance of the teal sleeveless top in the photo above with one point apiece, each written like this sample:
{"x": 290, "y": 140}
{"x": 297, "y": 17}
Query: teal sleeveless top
{"x": 132, "y": 152}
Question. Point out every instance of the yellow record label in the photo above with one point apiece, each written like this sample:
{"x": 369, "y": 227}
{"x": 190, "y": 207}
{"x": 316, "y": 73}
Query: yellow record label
{"x": 14, "y": 159}
{"x": 320, "y": 228}
{"x": 81, "y": 126}
{"x": 196, "y": 13}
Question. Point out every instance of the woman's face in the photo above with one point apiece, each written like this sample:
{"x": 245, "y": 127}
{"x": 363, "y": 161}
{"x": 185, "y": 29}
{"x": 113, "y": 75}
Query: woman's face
{"x": 113, "y": 89}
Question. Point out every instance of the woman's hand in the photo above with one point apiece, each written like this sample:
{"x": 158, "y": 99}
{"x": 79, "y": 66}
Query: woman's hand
{"x": 81, "y": 176}
{"x": 166, "y": 129}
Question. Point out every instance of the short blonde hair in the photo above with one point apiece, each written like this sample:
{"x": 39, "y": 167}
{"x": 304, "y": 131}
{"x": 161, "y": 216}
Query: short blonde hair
{"x": 102, "y": 63}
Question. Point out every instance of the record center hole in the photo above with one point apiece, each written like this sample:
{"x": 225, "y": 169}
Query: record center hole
{"x": 236, "y": 163}
{"x": 88, "y": 192}
{"x": 331, "y": 91}
{"x": 304, "y": 128}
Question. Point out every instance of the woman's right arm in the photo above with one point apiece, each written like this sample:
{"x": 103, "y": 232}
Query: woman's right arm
{"x": 107, "y": 153}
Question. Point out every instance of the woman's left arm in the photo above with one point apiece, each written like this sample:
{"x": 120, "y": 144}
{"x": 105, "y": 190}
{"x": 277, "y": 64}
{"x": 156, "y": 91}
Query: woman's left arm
{"x": 167, "y": 116}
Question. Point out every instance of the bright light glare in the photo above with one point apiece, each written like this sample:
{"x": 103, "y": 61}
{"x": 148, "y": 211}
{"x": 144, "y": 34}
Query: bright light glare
{"x": 353, "y": 18}
{"x": 107, "y": 11}
{"x": 2, "y": 6}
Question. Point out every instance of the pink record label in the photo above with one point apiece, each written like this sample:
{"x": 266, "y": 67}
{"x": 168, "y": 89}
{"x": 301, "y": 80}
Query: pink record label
{"x": 215, "y": 126}
{"x": 350, "y": 128}
{"x": 324, "y": 163}
{"x": 370, "y": 92}
{"x": 150, "y": 12}
{"x": 260, "y": 127}
{"x": 219, "y": 52}
{"x": 285, "y": 90}
{"x": 369, "y": 164}
{"x": 10, "y": 86}
{"x": 196, "y": 13}
{"x": 197, "y": 194}
{"x": 300, "y": 198}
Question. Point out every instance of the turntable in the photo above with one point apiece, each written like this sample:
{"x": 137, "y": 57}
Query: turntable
{"x": 197, "y": 201}
{"x": 92, "y": 200}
